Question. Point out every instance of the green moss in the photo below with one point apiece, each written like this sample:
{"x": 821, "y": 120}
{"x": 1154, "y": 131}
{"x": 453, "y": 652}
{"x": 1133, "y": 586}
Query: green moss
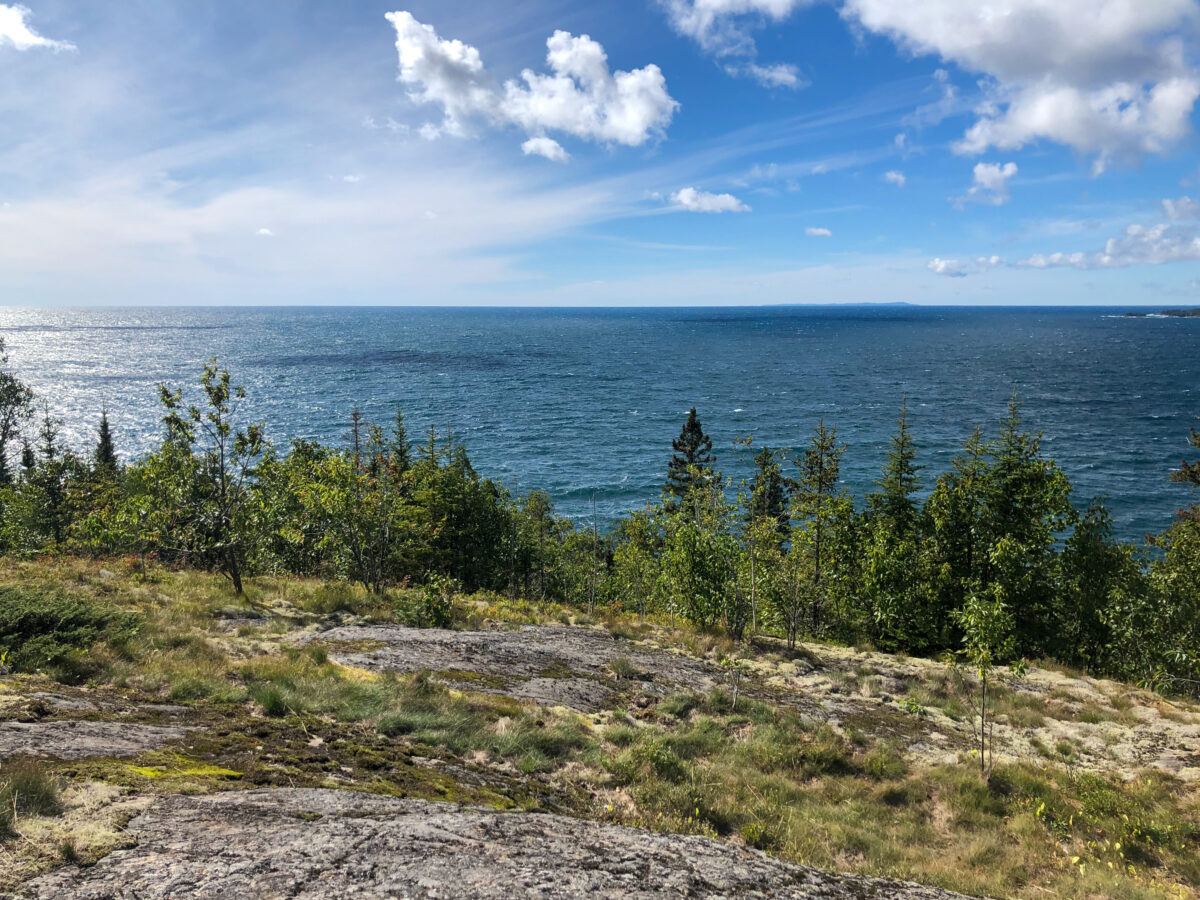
{"x": 181, "y": 767}
{"x": 475, "y": 679}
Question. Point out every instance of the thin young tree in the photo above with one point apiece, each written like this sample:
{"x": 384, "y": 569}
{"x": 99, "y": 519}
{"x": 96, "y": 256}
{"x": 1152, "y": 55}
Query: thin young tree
{"x": 818, "y": 508}
{"x": 224, "y": 457}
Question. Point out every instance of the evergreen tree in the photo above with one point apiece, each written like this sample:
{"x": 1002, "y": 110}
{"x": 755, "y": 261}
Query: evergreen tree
{"x": 1189, "y": 473}
{"x": 955, "y": 517}
{"x": 1093, "y": 570}
{"x": 105, "y": 456}
{"x": 901, "y": 479}
{"x": 16, "y": 406}
{"x": 28, "y": 461}
{"x": 768, "y": 493}
{"x": 892, "y": 586}
{"x": 693, "y": 461}
{"x": 1028, "y": 503}
{"x": 820, "y": 513}
{"x": 820, "y": 468}
{"x": 399, "y": 447}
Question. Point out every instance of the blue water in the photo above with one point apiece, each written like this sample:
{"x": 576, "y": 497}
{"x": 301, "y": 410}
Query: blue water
{"x": 576, "y": 401}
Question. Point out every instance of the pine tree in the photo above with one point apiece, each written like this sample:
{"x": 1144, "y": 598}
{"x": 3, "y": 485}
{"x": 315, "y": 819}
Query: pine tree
{"x": 28, "y": 461}
{"x": 399, "y": 447}
{"x": 105, "y": 456}
{"x": 693, "y": 453}
{"x": 819, "y": 512}
{"x": 768, "y": 493}
{"x": 901, "y": 479}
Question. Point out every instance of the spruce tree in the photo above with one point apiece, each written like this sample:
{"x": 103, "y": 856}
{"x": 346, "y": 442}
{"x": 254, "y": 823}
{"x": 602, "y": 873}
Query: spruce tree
{"x": 399, "y": 447}
{"x": 768, "y": 493}
{"x": 105, "y": 456}
{"x": 901, "y": 479}
{"x": 819, "y": 512}
{"x": 693, "y": 453}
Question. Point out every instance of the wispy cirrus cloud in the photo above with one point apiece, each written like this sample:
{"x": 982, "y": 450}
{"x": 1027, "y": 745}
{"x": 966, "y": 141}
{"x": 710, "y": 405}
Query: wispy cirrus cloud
{"x": 723, "y": 28}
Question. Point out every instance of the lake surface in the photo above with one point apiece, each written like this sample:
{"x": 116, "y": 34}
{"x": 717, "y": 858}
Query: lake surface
{"x": 583, "y": 401}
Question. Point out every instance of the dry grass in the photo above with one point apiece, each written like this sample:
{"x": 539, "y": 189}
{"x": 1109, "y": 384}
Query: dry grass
{"x": 764, "y": 775}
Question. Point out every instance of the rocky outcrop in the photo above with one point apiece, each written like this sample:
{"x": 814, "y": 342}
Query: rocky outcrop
{"x": 336, "y": 844}
{"x": 548, "y": 665}
{"x": 81, "y": 739}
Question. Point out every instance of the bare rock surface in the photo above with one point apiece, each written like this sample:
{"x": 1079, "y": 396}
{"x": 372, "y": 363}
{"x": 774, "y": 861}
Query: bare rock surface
{"x": 550, "y": 665}
{"x": 301, "y": 843}
{"x": 1110, "y": 727}
{"x": 81, "y": 739}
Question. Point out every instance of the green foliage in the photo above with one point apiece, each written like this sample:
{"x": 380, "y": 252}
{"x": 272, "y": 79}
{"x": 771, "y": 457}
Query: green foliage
{"x": 693, "y": 462}
{"x": 436, "y": 605}
{"x": 50, "y": 630}
{"x": 26, "y": 789}
{"x": 16, "y": 406}
{"x": 205, "y": 466}
{"x": 698, "y": 560}
{"x": 796, "y": 558}
{"x": 823, "y": 540}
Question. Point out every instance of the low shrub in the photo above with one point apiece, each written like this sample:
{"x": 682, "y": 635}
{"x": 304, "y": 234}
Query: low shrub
{"x": 52, "y": 631}
{"x": 26, "y": 789}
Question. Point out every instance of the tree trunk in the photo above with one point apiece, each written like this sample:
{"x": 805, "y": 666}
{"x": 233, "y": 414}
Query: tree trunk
{"x": 235, "y": 572}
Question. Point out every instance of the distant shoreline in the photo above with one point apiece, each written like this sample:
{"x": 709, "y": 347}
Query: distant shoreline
{"x": 1166, "y": 314}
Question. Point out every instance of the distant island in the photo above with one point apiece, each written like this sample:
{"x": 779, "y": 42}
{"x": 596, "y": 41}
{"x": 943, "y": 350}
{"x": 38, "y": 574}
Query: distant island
{"x": 1171, "y": 313}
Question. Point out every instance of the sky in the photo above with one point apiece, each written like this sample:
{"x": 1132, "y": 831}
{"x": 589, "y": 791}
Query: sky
{"x": 570, "y": 153}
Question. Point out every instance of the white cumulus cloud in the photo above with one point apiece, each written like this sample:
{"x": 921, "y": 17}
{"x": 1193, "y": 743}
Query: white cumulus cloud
{"x": 547, "y": 147}
{"x": 1109, "y": 78}
{"x": 896, "y": 178}
{"x": 1185, "y": 208}
{"x": 1157, "y": 244}
{"x": 991, "y": 184}
{"x": 700, "y": 201}
{"x": 1140, "y": 245}
{"x": 15, "y": 31}
{"x": 951, "y": 268}
{"x": 581, "y": 96}
{"x": 818, "y": 232}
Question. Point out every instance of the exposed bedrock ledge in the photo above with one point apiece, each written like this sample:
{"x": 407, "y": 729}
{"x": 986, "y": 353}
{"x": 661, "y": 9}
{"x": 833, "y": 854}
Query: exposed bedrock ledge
{"x": 302, "y": 843}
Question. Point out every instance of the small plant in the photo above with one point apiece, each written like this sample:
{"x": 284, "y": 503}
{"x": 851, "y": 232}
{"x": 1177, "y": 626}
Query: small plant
{"x": 735, "y": 670}
{"x": 913, "y": 708}
{"x": 987, "y": 625}
{"x": 26, "y": 789}
{"x": 622, "y": 668}
{"x": 437, "y": 602}
{"x": 67, "y": 852}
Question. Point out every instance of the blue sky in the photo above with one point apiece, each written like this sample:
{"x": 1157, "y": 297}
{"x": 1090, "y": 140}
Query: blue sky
{"x": 631, "y": 152}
